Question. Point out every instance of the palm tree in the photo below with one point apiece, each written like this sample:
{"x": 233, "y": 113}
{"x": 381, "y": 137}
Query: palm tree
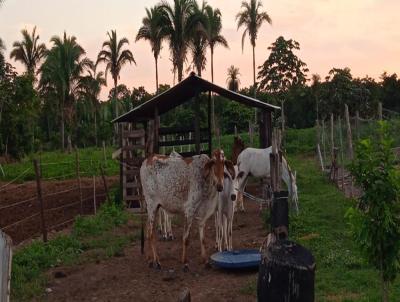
{"x": 152, "y": 31}
{"x": 179, "y": 22}
{"x": 213, "y": 33}
{"x": 233, "y": 78}
{"x": 251, "y": 18}
{"x": 198, "y": 42}
{"x": 89, "y": 87}
{"x": 28, "y": 51}
{"x": 60, "y": 72}
{"x": 2, "y": 48}
{"x": 115, "y": 57}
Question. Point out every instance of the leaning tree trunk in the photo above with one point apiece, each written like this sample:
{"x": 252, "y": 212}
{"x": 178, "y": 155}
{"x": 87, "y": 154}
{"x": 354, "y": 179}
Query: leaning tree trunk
{"x": 62, "y": 130}
{"x": 116, "y": 110}
{"x": 95, "y": 124}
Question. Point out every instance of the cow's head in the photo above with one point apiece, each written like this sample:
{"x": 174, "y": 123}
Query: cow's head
{"x": 214, "y": 168}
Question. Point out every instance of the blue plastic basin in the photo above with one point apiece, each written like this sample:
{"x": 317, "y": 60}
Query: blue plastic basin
{"x": 237, "y": 259}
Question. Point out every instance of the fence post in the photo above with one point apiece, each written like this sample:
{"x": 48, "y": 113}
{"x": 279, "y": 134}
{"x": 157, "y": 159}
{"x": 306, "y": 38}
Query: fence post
{"x": 94, "y": 194}
{"x": 380, "y": 115}
{"x": 332, "y": 140}
{"x": 78, "y": 176}
{"x": 105, "y": 183}
{"x": 341, "y": 150}
{"x": 5, "y": 266}
{"x": 358, "y": 124}
{"x": 323, "y": 138}
{"x": 104, "y": 154}
{"x": 349, "y": 136}
{"x": 40, "y": 199}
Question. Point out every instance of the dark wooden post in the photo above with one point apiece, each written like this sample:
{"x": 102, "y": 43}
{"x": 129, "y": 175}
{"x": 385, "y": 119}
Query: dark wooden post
{"x": 40, "y": 199}
{"x": 268, "y": 118}
{"x": 156, "y": 130}
{"x": 197, "y": 123}
{"x": 121, "y": 159}
{"x": 209, "y": 125}
{"x": 78, "y": 177}
{"x": 286, "y": 273}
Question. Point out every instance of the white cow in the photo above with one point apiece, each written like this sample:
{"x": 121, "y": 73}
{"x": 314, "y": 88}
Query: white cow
{"x": 187, "y": 186}
{"x": 225, "y": 211}
{"x": 256, "y": 162}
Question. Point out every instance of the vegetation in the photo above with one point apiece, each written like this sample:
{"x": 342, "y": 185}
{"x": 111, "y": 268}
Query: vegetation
{"x": 375, "y": 221}
{"x": 88, "y": 234}
{"x": 233, "y": 80}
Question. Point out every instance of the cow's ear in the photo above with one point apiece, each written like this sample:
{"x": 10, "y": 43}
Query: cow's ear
{"x": 231, "y": 168}
{"x": 207, "y": 168}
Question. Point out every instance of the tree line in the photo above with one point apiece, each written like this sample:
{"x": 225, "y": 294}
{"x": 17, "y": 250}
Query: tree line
{"x": 55, "y": 102}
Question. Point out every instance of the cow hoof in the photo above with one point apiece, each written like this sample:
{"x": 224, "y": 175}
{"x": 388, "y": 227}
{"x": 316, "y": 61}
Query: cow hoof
{"x": 155, "y": 265}
{"x": 186, "y": 268}
{"x": 158, "y": 266}
{"x": 171, "y": 237}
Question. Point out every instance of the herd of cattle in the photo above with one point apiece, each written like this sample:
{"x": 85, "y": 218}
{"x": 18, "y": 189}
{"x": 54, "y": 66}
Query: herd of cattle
{"x": 199, "y": 187}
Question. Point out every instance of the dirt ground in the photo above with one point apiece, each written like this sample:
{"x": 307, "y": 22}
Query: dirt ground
{"x": 128, "y": 278}
{"x": 55, "y": 214}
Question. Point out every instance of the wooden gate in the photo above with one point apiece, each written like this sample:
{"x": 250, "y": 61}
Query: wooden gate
{"x": 132, "y": 156}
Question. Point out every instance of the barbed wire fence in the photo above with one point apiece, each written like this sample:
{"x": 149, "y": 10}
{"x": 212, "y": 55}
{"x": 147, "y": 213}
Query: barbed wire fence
{"x": 337, "y": 136}
{"x": 51, "y": 203}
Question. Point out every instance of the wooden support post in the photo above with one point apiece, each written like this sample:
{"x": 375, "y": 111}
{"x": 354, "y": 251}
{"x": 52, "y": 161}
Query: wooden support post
{"x": 78, "y": 177}
{"x": 5, "y": 266}
{"x": 264, "y": 129}
{"x": 197, "y": 123}
{"x": 349, "y": 135}
{"x": 269, "y": 129}
{"x": 121, "y": 160}
{"x": 380, "y": 114}
{"x": 210, "y": 150}
{"x": 332, "y": 138}
{"x": 105, "y": 183}
{"x": 40, "y": 199}
{"x": 156, "y": 130}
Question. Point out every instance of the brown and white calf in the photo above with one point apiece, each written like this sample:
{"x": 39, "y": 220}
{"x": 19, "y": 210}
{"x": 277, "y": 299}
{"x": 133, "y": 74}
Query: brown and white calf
{"x": 187, "y": 186}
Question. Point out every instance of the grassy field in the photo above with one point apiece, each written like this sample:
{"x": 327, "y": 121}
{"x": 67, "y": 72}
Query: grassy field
{"x": 56, "y": 164}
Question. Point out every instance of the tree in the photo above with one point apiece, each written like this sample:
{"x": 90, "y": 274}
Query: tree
{"x": 89, "y": 86}
{"x": 375, "y": 222}
{"x": 115, "y": 57}
{"x": 251, "y": 18}
{"x": 390, "y": 91}
{"x": 198, "y": 42}
{"x": 233, "y": 78}
{"x": 179, "y": 22}
{"x": 28, "y": 51}
{"x": 62, "y": 68}
{"x": 282, "y": 70}
{"x": 152, "y": 31}
{"x": 2, "y": 48}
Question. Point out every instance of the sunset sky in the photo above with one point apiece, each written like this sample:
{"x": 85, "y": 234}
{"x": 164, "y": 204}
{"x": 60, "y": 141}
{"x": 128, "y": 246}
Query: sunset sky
{"x": 361, "y": 34}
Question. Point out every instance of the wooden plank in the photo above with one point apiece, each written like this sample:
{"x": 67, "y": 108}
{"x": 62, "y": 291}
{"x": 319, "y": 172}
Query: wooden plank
{"x": 138, "y": 133}
{"x": 181, "y": 142}
{"x": 132, "y": 147}
{"x": 179, "y": 130}
{"x": 133, "y": 185}
{"x": 134, "y": 198}
{"x": 5, "y": 266}
{"x": 192, "y": 153}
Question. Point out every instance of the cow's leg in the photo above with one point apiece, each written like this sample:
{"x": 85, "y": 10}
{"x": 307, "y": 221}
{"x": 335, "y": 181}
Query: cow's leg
{"x": 170, "y": 235}
{"x": 203, "y": 243}
{"x": 230, "y": 223}
{"x": 185, "y": 241}
{"x": 152, "y": 214}
{"x": 225, "y": 228}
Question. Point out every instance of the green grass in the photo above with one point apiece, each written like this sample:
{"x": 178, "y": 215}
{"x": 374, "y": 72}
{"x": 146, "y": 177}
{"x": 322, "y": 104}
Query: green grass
{"x": 92, "y": 239}
{"x": 56, "y": 164}
{"x": 321, "y": 227}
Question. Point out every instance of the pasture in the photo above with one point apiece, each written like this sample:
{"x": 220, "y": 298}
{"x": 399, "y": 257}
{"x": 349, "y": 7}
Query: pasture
{"x": 105, "y": 264}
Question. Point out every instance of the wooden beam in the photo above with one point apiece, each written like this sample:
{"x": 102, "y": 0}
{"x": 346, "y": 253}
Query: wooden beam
{"x": 197, "y": 122}
{"x": 209, "y": 123}
{"x": 266, "y": 129}
{"x": 156, "y": 130}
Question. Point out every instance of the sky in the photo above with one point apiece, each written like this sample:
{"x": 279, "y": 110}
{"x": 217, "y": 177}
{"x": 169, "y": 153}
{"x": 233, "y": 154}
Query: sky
{"x": 363, "y": 35}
